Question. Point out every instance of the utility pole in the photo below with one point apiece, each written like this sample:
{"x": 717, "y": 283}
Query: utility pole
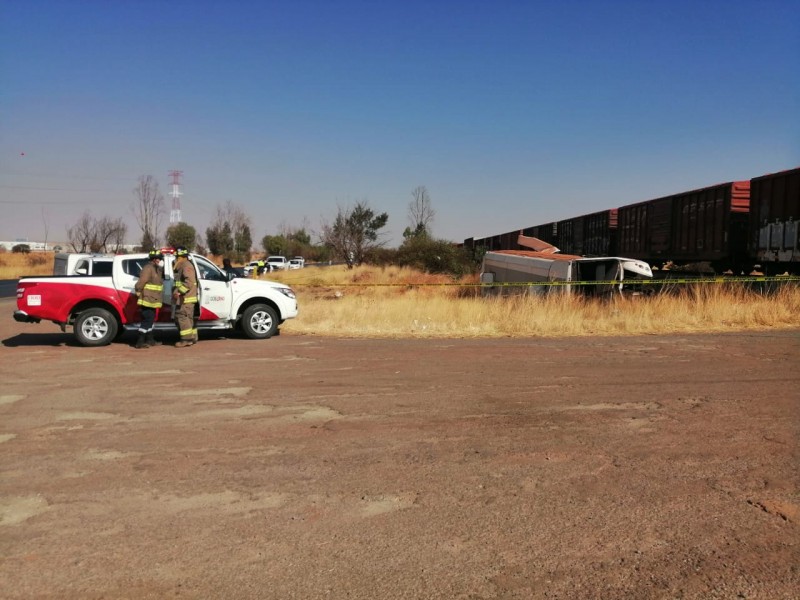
{"x": 175, "y": 193}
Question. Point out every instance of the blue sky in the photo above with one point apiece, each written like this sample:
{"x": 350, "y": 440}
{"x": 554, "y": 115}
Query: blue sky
{"x": 510, "y": 113}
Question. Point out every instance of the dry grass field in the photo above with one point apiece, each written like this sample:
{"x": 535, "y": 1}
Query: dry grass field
{"x": 14, "y": 266}
{"x": 398, "y": 302}
{"x": 389, "y": 302}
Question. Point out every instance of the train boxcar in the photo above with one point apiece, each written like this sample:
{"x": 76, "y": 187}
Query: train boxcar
{"x": 594, "y": 234}
{"x": 707, "y": 225}
{"x": 774, "y": 212}
{"x": 547, "y": 233}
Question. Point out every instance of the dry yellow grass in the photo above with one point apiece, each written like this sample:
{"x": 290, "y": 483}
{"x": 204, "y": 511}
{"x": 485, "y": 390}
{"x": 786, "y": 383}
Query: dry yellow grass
{"x": 17, "y": 265}
{"x": 389, "y": 302}
{"x": 335, "y": 301}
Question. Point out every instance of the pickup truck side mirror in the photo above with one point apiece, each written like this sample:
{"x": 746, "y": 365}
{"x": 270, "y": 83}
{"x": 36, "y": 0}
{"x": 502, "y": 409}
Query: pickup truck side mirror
{"x": 231, "y": 275}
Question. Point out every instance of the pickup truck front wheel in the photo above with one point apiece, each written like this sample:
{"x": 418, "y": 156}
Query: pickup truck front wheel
{"x": 259, "y": 321}
{"x": 95, "y": 327}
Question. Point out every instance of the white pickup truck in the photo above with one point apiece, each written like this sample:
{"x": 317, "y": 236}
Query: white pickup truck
{"x": 100, "y": 308}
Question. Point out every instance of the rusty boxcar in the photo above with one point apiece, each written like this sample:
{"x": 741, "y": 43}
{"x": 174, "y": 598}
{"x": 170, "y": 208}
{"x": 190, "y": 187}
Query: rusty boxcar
{"x": 774, "y": 212}
{"x": 594, "y": 234}
{"x": 704, "y": 225}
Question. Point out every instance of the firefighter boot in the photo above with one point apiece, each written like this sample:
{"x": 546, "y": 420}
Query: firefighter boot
{"x": 184, "y": 343}
{"x": 140, "y": 341}
{"x": 150, "y": 340}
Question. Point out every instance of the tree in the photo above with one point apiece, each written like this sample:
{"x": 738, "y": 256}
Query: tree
{"x": 230, "y": 232}
{"x": 82, "y": 233}
{"x": 434, "y": 256}
{"x": 420, "y": 213}
{"x": 21, "y": 249}
{"x": 149, "y": 210}
{"x": 354, "y": 232}
{"x": 301, "y": 237}
{"x": 97, "y": 235}
{"x": 274, "y": 244}
{"x": 46, "y": 228}
{"x": 243, "y": 239}
{"x": 110, "y": 235}
{"x": 181, "y": 234}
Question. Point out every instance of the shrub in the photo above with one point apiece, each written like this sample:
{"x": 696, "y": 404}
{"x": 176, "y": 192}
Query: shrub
{"x": 381, "y": 257}
{"x": 35, "y": 260}
{"x": 434, "y": 256}
{"x": 21, "y": 249}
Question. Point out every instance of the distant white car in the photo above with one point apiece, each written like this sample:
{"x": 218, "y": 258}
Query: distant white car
{"x": 295, "y": 264}
{"x": 301, "y": 260}
{"x": 278, "y": 262}
{"x": 253, "y": 264}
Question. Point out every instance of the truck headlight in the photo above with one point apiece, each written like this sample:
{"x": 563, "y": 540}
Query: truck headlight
{"x": 287, "y": 292}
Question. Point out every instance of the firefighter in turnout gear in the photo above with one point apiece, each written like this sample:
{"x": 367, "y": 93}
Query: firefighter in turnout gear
{"x": 148, "y": 291}
{"x": 184, "y": 296}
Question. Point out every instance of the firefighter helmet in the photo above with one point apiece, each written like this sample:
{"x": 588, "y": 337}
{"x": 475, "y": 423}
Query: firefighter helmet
{"x": 156, "y": 255}
{"x": 181, "y": 251}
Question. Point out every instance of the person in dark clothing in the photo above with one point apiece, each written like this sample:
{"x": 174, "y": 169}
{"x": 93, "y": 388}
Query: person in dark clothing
{"x": 148, "y": 291}
{"x": 228, "y": 268}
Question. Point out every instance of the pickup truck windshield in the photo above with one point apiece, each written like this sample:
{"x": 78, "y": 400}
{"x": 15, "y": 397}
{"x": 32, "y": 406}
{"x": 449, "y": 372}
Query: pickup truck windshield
{"x": 209, "y": 271}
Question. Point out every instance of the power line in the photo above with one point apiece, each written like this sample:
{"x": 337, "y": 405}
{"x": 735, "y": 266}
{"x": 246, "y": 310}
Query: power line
{"x": 64, "y": 202}
{"x": 45, "y": 189}
{"x": 58, "y": 176}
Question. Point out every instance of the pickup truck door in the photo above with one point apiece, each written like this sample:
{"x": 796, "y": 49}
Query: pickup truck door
{"x": 126, "y": 274}
{"x": 214, "y": 290}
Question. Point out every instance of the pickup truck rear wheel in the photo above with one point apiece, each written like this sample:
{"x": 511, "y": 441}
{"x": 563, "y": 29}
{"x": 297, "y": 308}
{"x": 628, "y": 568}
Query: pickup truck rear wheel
{"x": 95, "y": 327}
{"x": 259, "y": 322}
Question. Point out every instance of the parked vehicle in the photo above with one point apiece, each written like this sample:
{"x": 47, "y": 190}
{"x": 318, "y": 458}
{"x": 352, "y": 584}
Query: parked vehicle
{"x": 295, "y": 264}
{"x": 278, "y": 262}
{"x": 253, "y": 264}
{"x": 301, "y": 260}
{"x": 99, "y": 308}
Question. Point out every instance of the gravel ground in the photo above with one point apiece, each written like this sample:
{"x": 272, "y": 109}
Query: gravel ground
{"x": 305, "y": 467}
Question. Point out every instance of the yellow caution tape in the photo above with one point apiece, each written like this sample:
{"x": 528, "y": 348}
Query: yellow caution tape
{"x": 682, "y": 280}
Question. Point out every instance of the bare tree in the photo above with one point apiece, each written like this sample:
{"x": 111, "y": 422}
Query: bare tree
{"x": 149, "y": 210}
{"x": 82, "y": 234}
{"x": 420, "y": 213}
{"x": 110, "y": 234}
{"x": 97, "y": 235}
{"x": 46, "y": 228}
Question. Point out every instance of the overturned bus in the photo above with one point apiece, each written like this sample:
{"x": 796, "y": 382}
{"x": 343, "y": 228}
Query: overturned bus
{"x": 545, "y": 270}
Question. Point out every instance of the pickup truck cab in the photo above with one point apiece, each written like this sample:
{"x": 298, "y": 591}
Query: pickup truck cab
{"x": 78, "y": 263}
{"x": 278, "y": 262}
{"x": 101, "y": 308}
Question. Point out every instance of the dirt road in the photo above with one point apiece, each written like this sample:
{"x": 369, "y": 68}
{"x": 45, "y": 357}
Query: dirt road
{"x": 302, "y": 467}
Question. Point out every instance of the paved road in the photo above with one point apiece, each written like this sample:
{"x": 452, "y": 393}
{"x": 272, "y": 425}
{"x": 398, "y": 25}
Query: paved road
{"x": 8, "y": 288}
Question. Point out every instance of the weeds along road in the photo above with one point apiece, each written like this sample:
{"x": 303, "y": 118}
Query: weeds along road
{"x": 305, "y": 467}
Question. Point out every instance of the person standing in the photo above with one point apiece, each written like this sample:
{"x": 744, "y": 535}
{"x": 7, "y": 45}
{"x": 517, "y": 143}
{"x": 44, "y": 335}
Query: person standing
{"x": 184, "y": 295}
{"x": 148, "y": 292}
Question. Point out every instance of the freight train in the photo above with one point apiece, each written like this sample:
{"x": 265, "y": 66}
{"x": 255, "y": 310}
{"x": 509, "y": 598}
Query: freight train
{"x": 732, "y": 228}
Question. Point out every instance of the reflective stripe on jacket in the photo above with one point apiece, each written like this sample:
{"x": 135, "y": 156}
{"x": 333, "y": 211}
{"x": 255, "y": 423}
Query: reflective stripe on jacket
{"x": 150, "y": 286}
{"x": 186, "y": 282}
